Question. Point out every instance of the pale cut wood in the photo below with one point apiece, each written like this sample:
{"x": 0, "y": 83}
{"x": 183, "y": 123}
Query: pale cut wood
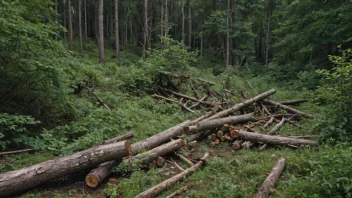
{"x": 273, "y": 130}
{"x": 287, "y": 108}
{"x": 126, "y": 136}
{"x": 98, "y": 175}
{"x": 271, "y": 180}
{"x": 241, "y": 105}
{"x": 212, "y": 124}
{"x": 19, "y": 180}
{"x": 237, "y": 145}
{"x": 156, "y": 190}
{"x": 16, "y": 152}
{"x": 178, "y": 192}
{"x": 275, "y": 140}
{"x": 185, "y": 160}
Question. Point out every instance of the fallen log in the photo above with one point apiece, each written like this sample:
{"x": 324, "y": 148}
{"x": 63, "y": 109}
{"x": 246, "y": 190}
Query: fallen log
{"x": 206, "y": 81}
{"x": 185, "y": 160}
{"x": 293, "y": 102}
{"x": 215, "y": 123}
{"x": 19, "y": 180}
{"x": 273, "y": 130}
{"x": 101, "y": 101}
{"x": 198, "y": 103}
{"x": 269, "y": 122}
{"x": 156, "y": 190}
{"x": 271, "y": 180}
{"x": 99, "y": 174}
{"x": 207, "y": 115}
{"x": 123, "y": 137}
{"x": 16, "y": 152}
{"x": 174, "y": 101}
{"x": 275, "y": 140}
{"x": 193, "y": 99}
{"x": 287, "y": 108}
{"x": 178, "y": 192}
{"x": 241, "y": 105}
{"x": 196, "y": 94}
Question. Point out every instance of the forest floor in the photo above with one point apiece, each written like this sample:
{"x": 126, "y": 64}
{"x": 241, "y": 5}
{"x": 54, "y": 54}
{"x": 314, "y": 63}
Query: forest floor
{"x": 228, "y": 173}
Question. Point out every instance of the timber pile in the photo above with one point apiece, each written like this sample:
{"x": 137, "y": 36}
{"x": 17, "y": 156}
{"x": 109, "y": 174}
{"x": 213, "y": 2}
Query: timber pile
{"x": 225, "y": 122}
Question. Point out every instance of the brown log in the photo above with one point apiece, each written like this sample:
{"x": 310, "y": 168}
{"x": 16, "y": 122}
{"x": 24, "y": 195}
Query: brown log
{"x": 273, "y": 130}
{"x": 225, "y": 128}
{"x": 212, "y": 144}
{"x": 247, "y": 145}
{"x": 275, "y": 140}
{"x": 196, "y": 94}
{"x": 213, "y": 137}
{"x": 198, "y": 103}
{"x": 219, "y": 134}
{"x": 99, "y": 174}
{"x": 237, "y": 145}
{"x": 178, "y": 167}
{"x": 19, "y": 180}
{"x": 287, "y": 108}
{"x": 178, "y": 192}
{"x": 241, "y": 105}
{"x": 185, "y": 160}
{"x": 217, "y": 141}
{"x": 156, "y": 190}
{"x": 234, "y": 134}
{"x": 206, "y": 81}
{"x": 271, "y": 180}
{"x": 207, "y": 115}
{"x": 101, "y": 101}
{"x": 212, "y": 124}
{"x": 293, "y": 102}
{"x": 269, "y": 122}
{"x": 126, "y": 136}
{"x": 160, "y": 162}
{"x": 222, "y": 138}
{"x": 227, "y": 137}
{"x": 16, "y": 152}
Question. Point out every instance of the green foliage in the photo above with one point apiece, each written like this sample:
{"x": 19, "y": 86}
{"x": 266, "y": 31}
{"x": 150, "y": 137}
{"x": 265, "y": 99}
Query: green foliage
{"x": 335, "y": 91}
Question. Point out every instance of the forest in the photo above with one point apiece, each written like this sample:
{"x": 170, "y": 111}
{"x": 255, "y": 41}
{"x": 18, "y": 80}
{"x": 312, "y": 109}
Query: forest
{"x": 175, "y": 98}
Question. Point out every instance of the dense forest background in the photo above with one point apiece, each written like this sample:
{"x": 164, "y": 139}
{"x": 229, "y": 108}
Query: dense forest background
{"x": 57, "y": 56}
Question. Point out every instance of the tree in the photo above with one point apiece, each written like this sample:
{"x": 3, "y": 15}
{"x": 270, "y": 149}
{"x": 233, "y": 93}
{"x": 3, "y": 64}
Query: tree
{"x": 80, "y": 27}
{"x": 189, "y": 23}
{"x": 85, "y": 22}
{"x": 101, "y": 31}
{"x": 70, "y": 30}
{"x": 145, "y": 27}
{"x": 117, "y": 39}
{"x": 228, "y": 36}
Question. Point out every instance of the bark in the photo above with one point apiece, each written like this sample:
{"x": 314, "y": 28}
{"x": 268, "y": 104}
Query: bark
{"x": 85, "y": 22}
{"x": 228, "y": 37}
{"x": 70, "y": 29}
{"x": 287, "y": 108}
{"x": 275, "y": 140}
{"x": 269, "y": 122}
{"x": 277, "y": 127}
{"x": 16, "y": 152}
{"x": 193, "y": 99}
{"x": 241, "y": 105}
{"x": 185, "y": 160}
{"x": 206, "y": 81}
{"x": 207, "y": 115}
{"x": 117, "y": 37}
{"x": 56, "y": 15}
{"x": 271, "y": 180}
{"x": 80, "y": 27}
{"x": 101, "y": 101}
{"x": 101, "y": 32}
{"x": 183, "y": 21}
{"x": 293, "y": 102}
{"x": 145, "y": 27}
{"x": 166, "y": 18}
{"x": 19, "y": 180}
{"x": 237, "y": 145}
{"x": 99, "y": 174}
{"x": 123, "y": 137}
{"x": 178, "y": 192}
{"x": 213, "y": 124}
{"x": 189, "y": 23}
{"x": 179, "y": 103}
{"x": 196, "y": 94}
{"x": 156, "y": 190}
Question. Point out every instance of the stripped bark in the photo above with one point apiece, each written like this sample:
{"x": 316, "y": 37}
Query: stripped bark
{"x": 287, "y": 108}
{"x": 19, "y": 180}
{"x": 241, "y": 105}
{"x": 275, "y": 140}
{"x": 156, "y": 190}
{"x": 126, "y": 136}
{"x": 271, "y": 180}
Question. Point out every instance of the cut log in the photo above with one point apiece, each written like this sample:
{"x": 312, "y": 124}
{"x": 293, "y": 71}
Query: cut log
{"x": 156, "y": 190}
{"x": 269, "y": 122}
{"x": 185, "y": 160}
{"x": 234, "y": 134}
{"x": 101, "y": 101}
{"x": 247, "y": 145}
{"x": 198, "y": 103}
{"x": 271, "y": 180}
{"x": 212, "y": 144}
{"x": 160, "y": 162}
{"x": 178, "y": 167}
{"x": 227, "y": 137}
{"x": 273, "y": 130}
{"x": 99, "y": 174}
{"x": 219, "y": 134}
{"x": 193, "y": 144}
{"x": 237, "y": 145}
{"x": 275, "y": 140}
{"x": 212, "y": 124}
{"x": 207, "y": 115}
{"x": 206, "y": 81}
{"x": 178, "y": 192}
{"x": 217, "y": 141}
{"x": 241, "y": 105}
{"x": 287, "y": 108}
{"x": 293, "y": 102}
{"x": 193, "y": 99}
{"x": 213, "y": 137}
{"x": 196, "y": 94}
{"x": 19, "y": 180}
{"x": 225, "y": 128}
{"x": 16, "y": 152}
{"x": 222, "y": 138}
{"x": 126, "y": 136}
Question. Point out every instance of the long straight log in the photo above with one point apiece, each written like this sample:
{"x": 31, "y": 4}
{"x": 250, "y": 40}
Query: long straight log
{"x": 212, "y": 124}
{"x": 156, "y": 190}
{"x": 271, "y": 180}
{"x": 287, "y": 108}
{"x": 241, "y": 105}
{"x": 123, "y": 137}
{"x": 275, "y": 140}
{"x": 19, "y": 180}
{"x": 273, "y": 130}
{"x": 16, "y": 152}
{"x": 293, "y": 102}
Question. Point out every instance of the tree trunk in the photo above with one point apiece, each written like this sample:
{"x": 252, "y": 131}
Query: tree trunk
{"x": 183, "y": 22}
{"x": 70, "y": 25}
{"x": 271, "y": 180}
{"x": 145, "y": 27}
{"x": 287, "y": 108}
{"x": 162, "y": 19}
{"x": 56, "y": 15}
{"x": 99, "y": 174}
{"x": 117, "y": 37}
{"x": 120, "y": 138}
{"x": 101, "y": 32}
{"x": 267, "y": 39}
{"x": 216, "y": 123}
{"x": 19, "y": 180}
{"x": 85, "y": 22}
{"x": 80, "y": 27}
{"x": 228, "y": 37}
{"x": 242, "y": 105}
{"x": 273, "y": 130}
{"x": 166, "y": 18}
{"x": 156, "y": 190}
{"x": 275, "y": 140}
{"x": 189, "y": 24}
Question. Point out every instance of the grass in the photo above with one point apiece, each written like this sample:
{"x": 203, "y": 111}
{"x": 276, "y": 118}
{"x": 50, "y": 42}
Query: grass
{"x": 227, "y": 173}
